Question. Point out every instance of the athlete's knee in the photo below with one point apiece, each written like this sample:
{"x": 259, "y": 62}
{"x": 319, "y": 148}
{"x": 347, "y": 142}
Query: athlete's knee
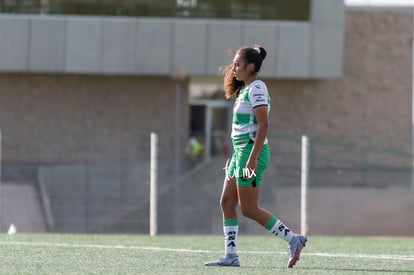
{"x": 249, "y": 211}
{"x": 229, "y": 199}
{"x": 228, "y": 203}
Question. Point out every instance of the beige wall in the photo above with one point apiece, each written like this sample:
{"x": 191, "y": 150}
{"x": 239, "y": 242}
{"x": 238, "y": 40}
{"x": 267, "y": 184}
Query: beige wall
{"x": 371, "y": 103}
{"x": 76, "y": 119}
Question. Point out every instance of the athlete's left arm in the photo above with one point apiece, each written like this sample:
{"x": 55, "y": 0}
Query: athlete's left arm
{"x": 262, "y": 119}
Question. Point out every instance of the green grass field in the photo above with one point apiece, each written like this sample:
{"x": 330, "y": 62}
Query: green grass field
{"x": 139, "y": 254}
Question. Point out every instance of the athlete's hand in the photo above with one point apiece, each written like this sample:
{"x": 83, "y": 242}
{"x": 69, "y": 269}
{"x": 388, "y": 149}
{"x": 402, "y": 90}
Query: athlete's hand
{"x": 251, "y": 166}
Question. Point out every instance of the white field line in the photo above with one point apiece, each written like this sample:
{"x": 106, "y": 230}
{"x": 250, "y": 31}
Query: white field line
{"x": 182, "y": 250}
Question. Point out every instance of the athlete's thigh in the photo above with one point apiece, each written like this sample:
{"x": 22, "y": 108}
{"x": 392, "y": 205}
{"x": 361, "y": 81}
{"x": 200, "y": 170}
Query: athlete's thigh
{"x": 229, "y": 192}
{"x": 229, "y": 199}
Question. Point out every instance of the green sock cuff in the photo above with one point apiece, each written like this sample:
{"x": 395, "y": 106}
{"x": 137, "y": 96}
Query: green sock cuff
{"x": 270, "y": 222}
{"x": 231, "y": 222}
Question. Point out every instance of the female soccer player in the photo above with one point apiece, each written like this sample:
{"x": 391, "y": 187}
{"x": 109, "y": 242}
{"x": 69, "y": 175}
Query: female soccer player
{"x": 250, "y": 157}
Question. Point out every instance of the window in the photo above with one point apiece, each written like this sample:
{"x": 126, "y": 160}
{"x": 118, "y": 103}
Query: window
{"x": 297, "y": 10}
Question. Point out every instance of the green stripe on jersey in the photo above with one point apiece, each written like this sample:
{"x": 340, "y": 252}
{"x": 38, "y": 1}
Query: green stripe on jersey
{"x": 241, "y": 119}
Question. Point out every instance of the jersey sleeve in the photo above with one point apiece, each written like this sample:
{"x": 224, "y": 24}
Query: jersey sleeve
{"x": 258, "y": 96}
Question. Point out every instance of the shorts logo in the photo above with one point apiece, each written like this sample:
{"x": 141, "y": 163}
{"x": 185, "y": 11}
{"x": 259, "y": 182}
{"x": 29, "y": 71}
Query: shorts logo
{"x": 243, "y": 173}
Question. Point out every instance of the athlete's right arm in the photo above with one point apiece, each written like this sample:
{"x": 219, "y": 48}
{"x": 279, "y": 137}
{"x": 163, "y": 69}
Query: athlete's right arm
{"x": 260, "y": 113}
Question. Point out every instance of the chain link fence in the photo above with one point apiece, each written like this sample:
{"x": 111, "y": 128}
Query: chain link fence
{"x": 97, "y": 182}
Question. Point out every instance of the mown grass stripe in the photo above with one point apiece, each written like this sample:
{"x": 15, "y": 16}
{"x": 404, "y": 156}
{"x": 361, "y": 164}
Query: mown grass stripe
{"x": 182, "y": 250}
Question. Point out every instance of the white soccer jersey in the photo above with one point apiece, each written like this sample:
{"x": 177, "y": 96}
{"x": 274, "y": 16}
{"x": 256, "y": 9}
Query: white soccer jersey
{"x": 244, "y": 122}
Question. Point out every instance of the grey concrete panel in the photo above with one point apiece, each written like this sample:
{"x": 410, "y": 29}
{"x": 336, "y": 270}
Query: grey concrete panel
{"x": 66, "y": 180}
{"x": 222, "y": 36}
{"x": 83, "y": 45}
{"x": 14, "y": 46}
{"x": 66, "y": 188}
{"x": 330, "y": 12}
{"x": 189, "y": 46}
{"x": 158, "y": 46}
{"x": 264, "y": 34}
{"x": 70, "y": 212}
{"x": 327, "y": 52}
{"x": 90, "y": 197}
{"x": 45, "y": 177}
{"x": 104, "y": 180}
{"x": 21, "y": 207}
{"x": 294, "y": 50}
{"x": 154, "y": 43}
{"x": 98, "y": 207}
{"x": 47, "y": 44}
{"x": 118, "y": 46}
{"x": 135, "y": 179}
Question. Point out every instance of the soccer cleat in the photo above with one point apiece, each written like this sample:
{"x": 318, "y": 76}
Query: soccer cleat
{"x": 225, "y": 261}
{"x": 296, "y": 245}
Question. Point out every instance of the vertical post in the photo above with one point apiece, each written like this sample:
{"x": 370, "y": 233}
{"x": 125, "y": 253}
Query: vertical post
{"x": 179, "y": 75}
{"x": 1, "y": 201}
{"x": 154, "y": 185}
{"x": 412, "y": 103}
{"x": 208, "y": 131}
{"x": 304, "y": 185}
{"x": 177, "y": 157}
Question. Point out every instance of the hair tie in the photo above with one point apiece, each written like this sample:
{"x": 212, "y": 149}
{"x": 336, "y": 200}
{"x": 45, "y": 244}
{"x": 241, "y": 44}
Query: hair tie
{"x": 257, "y": 50}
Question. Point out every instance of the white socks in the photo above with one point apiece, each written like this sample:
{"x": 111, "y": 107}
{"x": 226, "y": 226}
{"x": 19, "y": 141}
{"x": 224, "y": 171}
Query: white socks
{"x": 281, "y": 230}
{"x": 230, "y": 239}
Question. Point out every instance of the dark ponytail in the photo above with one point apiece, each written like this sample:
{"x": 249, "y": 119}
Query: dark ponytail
{"x": 254, "y": 55}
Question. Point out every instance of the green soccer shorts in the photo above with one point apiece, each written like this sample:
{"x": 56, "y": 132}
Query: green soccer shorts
{"x": 237, "y": 166}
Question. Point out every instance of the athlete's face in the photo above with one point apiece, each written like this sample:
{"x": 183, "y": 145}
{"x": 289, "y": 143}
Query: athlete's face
{"x": 240, "y": 69}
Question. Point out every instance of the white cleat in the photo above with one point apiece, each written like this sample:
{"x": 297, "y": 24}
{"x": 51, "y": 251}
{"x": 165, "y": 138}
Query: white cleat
{"x": 225, "y": 261}
{"x": 296, "y": 245}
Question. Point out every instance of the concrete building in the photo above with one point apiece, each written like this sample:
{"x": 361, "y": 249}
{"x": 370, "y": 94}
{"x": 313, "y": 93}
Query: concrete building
{"x": 80, "y": 96}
